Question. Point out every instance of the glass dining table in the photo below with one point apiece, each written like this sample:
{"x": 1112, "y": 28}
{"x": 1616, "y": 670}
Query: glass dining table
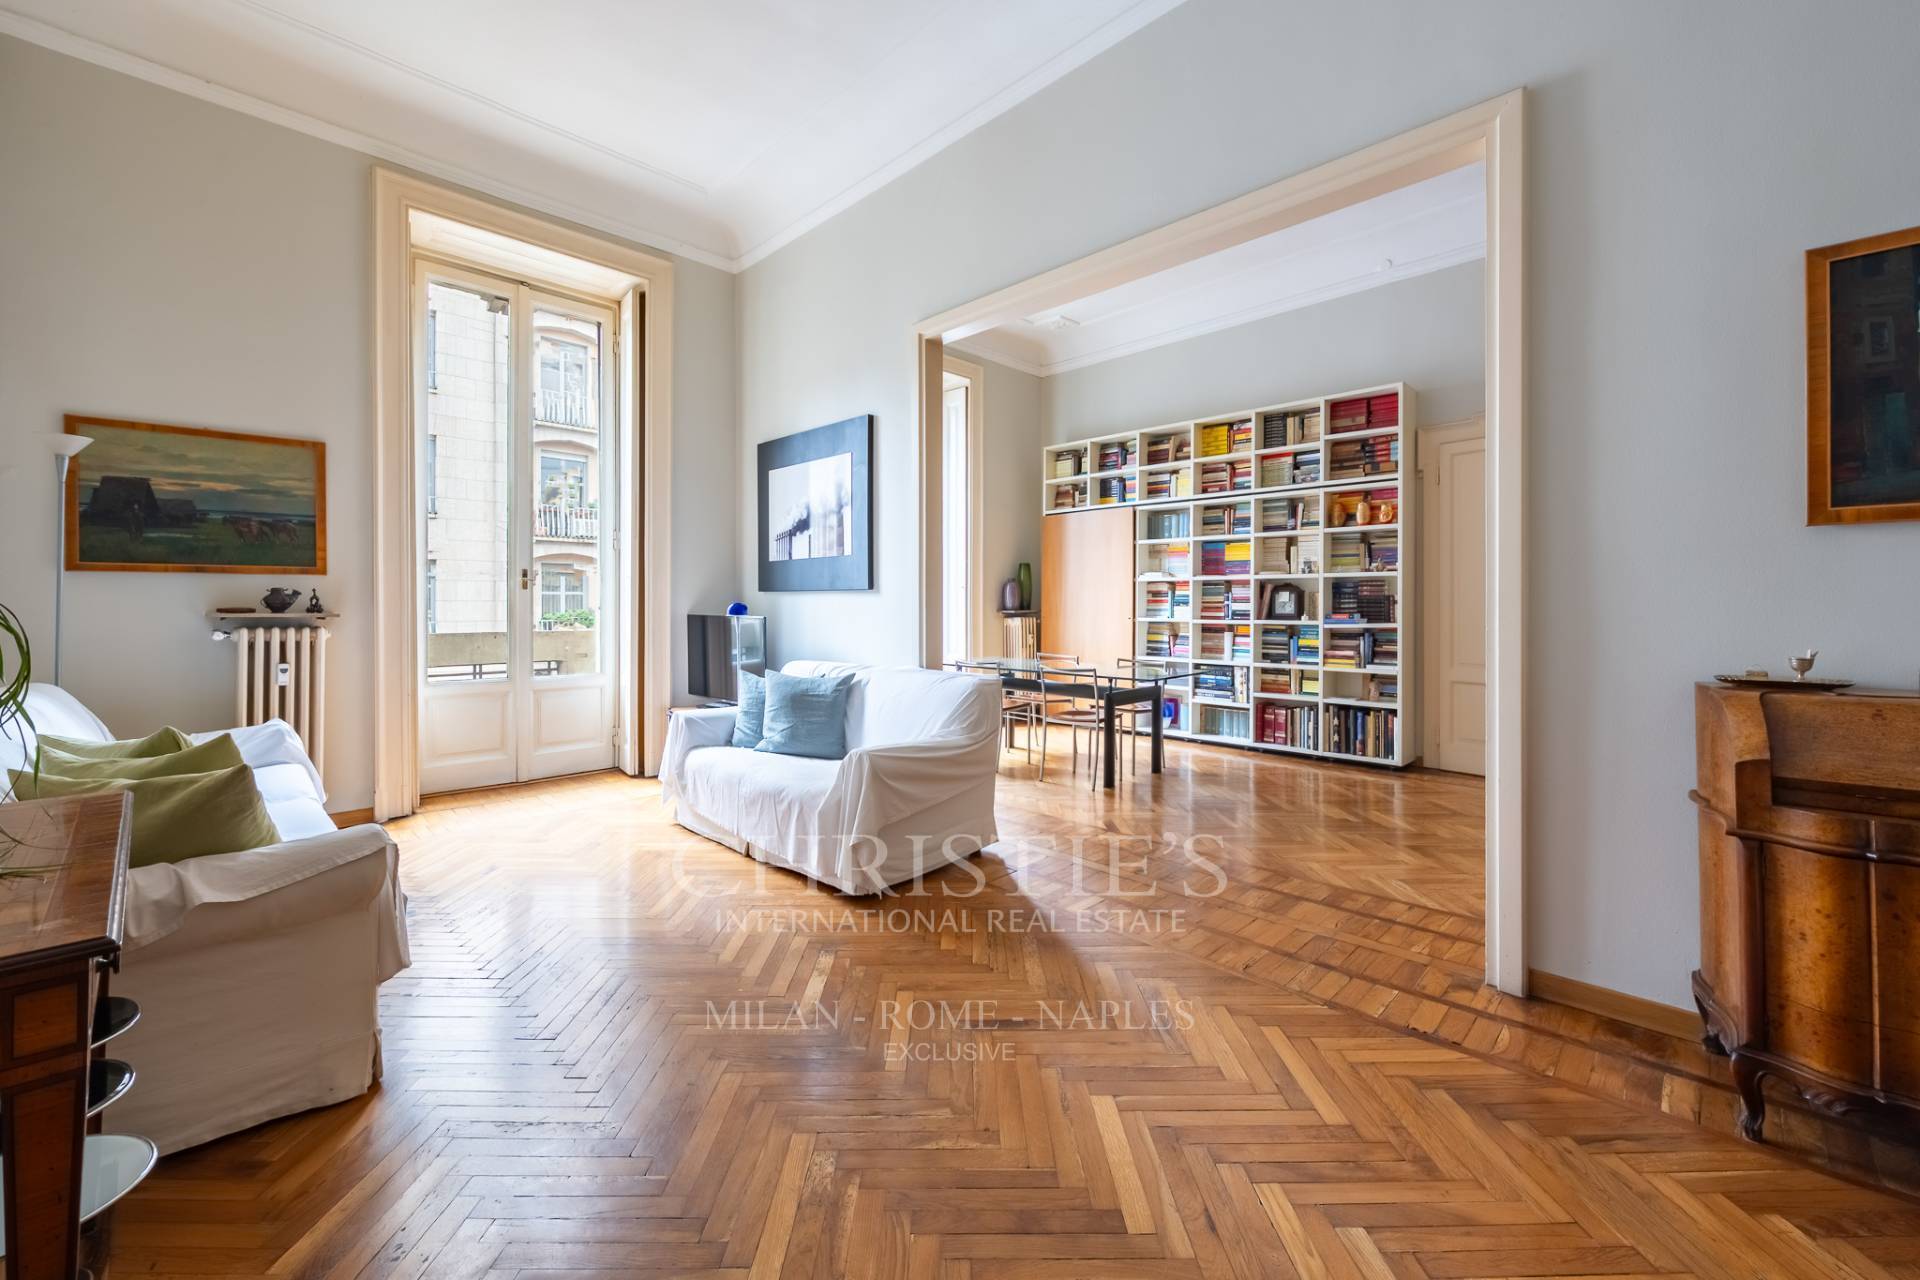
{"x": 1115, "y": 689}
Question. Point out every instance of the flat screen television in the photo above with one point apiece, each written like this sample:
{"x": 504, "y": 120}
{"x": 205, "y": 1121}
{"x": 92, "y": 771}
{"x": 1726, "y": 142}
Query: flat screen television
{"x": 719, "y": 647}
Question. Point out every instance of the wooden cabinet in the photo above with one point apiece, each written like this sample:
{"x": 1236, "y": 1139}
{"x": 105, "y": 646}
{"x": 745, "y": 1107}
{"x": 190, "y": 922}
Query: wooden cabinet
{"x": 1086, "y": 586}
{"x": 60, "y": 927}
{"x": 1809, "y": 815}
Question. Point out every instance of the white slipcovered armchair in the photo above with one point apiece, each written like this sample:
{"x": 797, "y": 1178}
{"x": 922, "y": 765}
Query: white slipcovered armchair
{"x": 914, "y": 791}
{"x": 258, "y": 972}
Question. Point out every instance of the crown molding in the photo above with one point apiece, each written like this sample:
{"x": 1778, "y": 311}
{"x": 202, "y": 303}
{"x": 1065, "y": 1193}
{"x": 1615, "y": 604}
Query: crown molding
{"x": 47, "y": 36}
{"x": 1082, "y": 51}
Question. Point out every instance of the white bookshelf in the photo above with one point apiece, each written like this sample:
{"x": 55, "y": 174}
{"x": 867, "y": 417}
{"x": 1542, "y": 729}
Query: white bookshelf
{"x": 1235, "y": 508}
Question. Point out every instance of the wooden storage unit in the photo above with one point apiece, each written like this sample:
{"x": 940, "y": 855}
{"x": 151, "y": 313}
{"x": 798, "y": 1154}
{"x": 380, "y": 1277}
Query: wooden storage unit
{"x": 1086, "y": 576}
{"x": 60, "y": 931}
{"x": 1238, "y": 516}
{"x": 1809, "y": 809}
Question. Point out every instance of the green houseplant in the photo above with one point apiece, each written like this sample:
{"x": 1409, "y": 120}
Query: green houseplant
{"x": 16, "y": 673}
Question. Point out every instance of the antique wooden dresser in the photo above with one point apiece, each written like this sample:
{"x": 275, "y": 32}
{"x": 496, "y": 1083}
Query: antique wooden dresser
{"x": 1809, "y": 808}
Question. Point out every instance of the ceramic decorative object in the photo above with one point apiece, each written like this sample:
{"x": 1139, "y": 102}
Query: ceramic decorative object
{"x": 1009, "y": 596}
{"x": 1025, "y": 575}
{"x": 314, "y": 605}
{"x": 279, "y": 600}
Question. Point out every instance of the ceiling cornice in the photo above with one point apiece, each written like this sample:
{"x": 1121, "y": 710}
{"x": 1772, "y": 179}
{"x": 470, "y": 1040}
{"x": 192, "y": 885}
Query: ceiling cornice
{"x": 86, "y": 49}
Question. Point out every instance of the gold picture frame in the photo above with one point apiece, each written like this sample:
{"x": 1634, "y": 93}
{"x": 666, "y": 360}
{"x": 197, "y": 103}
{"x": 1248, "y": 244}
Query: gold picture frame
{"x": 1863, "y": 380}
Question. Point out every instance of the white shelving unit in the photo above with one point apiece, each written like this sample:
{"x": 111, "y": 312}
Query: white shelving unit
{"x": 1240, "y": 514}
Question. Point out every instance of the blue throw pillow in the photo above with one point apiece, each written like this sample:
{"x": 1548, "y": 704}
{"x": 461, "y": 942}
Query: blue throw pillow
{"x": 751, "y": 711}
{"x": 806, "y": 715}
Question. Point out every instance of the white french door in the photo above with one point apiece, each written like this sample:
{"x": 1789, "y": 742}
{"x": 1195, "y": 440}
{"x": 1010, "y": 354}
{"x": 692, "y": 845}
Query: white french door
{"x": 515, "y": 418}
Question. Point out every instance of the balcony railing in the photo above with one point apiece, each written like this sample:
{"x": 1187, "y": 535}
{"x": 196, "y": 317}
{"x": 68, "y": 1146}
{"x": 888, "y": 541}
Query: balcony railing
{"x": 576, "y": 524}
{"x": 565, "y": 409}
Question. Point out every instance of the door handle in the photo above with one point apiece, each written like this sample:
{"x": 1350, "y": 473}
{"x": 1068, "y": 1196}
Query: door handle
{"x": 523, "y": 579}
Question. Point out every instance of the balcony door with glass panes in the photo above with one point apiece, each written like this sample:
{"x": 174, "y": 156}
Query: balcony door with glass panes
{"x": 516, "y": 449}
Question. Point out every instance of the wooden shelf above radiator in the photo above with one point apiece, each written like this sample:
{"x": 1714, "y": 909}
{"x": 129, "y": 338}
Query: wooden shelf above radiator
{"x": 262, "y": 615}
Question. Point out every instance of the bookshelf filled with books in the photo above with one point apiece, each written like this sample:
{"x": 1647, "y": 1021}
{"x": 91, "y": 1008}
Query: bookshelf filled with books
{"x": 1273, "y": 561}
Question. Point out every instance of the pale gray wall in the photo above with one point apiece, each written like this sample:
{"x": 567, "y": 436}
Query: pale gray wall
{"x": 1428, "y": 332}
{"x": 1680, "y": 160}
{"x": 1010, "y": 478}
{"x": 168, "y": 260}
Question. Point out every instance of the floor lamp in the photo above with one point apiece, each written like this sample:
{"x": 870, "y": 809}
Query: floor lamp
{"x": 64, "y": 446}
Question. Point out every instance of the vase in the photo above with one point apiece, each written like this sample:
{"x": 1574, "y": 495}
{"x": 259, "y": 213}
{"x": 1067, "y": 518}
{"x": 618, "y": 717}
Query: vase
{"x": 1026, "y": 585}
{"x": 1009, "y": 596}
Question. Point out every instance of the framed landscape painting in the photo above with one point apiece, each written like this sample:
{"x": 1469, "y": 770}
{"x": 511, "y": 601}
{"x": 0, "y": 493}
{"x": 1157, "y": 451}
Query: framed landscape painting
{"x": 816, "y": 492}
{"x": 1863, "y": 380}
{"x": 145, "y": 497}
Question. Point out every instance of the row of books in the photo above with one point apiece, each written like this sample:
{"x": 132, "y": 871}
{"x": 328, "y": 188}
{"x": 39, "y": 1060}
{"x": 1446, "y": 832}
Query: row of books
{"x": 1298, "y": 684}
{"x": 1368, "y": 506}
{"x": 1294, "y": 426}
{"x": 1218, "y": 521}
{"x": 1363, "y": 731}
{"x": 1221, "y": 722}
{"x": 1291, "y": 644}
{"x": 1166, "y": 600}
{"x": 1362, "y": 600}
{"x": 1220, "y": 684}
{"x": 1281, "y": 725}
{"x": 1225, "y": 602}
{"x": 1217, "y": 438}
{"x": 1069, "y": 462}
{"x": 1357, "y": 650}
{"x": 1174, "y": 559}
{"x": 1226, "y": 643}
{"x": 1165, "y": 641}
{"x": 1167, "y": 484}
{"x": 1115, "y": 455}
{"x": 1363, "y": 413}
{"x": 1290, "y": 555}
{"x": 1164, "y": 524}
{"x": 1281, "y": 469}
{"x": 1068, "y": 496}
{"x": 1354, "y": 459}
{"x": 1234, "y": 559}
{"x": 1363, "y": 553}
{"x": 1173, "y": 447}
{"x": 1115, "y": 490}
{"x": 1225, "y": 477}
{"x": 1282, "y": 515}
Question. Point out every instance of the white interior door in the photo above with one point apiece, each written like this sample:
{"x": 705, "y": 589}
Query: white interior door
{"x": 1453, "y": 479}
{"x": 515, "y": 442}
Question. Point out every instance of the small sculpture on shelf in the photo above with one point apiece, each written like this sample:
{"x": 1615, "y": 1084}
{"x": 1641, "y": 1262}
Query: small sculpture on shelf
{"x": 280, "y": 599}
{"x": 313, "y": 603}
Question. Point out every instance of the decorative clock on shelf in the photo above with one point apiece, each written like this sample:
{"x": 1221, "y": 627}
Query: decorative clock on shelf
{"x": 1285, "y": 602}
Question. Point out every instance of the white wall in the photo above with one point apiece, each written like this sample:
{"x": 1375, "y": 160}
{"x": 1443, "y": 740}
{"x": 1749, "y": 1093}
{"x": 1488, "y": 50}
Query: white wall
{"x": 168, "y": 260}
{"x": 1428, "y": 332}
{"x": 1013, "y": 432}
{"x": 1680, "y": 160}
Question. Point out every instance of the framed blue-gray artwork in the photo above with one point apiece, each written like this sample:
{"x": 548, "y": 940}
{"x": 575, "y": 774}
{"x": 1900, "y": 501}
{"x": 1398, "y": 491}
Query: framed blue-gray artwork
{"x": 816, "y": 505}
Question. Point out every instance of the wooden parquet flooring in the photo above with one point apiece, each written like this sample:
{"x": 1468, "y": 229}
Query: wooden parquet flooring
{"x": 623, "y": 1050}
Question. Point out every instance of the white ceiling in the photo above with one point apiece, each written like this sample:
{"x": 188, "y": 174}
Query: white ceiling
{"x": 1437, "y": 223}
{"x": 719, "y": 129}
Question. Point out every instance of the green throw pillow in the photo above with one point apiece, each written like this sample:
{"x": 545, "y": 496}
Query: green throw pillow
{"x": 161, "y": 742}
{"x": 206, "y": 757}
{"x": 189, "y": 815}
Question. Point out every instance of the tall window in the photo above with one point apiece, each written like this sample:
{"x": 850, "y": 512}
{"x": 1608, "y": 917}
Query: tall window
{"x": 433, "y": 349}
{"x": 563, "y": 591}
{"x": 955, "y": 533}
{"x": 563, "y": 480}
{"x": 433, "y": 475}
{"x": 433, "y": 597}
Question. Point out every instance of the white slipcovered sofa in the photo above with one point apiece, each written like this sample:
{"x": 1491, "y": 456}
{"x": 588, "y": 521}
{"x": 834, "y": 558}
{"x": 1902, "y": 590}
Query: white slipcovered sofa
{"x": 257, "y": 973}
{"x": 914, "y": 791}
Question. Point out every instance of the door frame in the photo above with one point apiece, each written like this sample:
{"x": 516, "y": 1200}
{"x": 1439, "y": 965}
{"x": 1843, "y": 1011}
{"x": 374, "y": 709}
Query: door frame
{"x": 976, "y": 376}
{"x": 1493, "y": 131}
{"x": 643, "y": 298}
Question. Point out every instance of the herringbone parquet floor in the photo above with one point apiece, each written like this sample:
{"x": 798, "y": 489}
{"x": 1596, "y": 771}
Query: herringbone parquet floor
{"x": 622, "y": 1050}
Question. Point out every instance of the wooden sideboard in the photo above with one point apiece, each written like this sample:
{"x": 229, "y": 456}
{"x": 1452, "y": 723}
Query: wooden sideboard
{"x": 60, "y": 930}
{"x": 1809, "y": 815}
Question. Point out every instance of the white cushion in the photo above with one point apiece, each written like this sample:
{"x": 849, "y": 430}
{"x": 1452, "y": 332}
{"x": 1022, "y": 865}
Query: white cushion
{"x": 53, "y": 710}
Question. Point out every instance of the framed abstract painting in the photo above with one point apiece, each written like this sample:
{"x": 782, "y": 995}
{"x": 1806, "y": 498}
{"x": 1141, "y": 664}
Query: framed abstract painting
{"x": 816, "y": 504}
{"x": 1863, "y": 380}
{"x": 145, "y": 497}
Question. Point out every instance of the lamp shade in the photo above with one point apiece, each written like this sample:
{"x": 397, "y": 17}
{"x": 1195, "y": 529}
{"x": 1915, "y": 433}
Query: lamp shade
{"x": 64, "y": 444}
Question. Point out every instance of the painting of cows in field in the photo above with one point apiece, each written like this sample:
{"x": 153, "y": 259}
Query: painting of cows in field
{"x": 147, "y": 497}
